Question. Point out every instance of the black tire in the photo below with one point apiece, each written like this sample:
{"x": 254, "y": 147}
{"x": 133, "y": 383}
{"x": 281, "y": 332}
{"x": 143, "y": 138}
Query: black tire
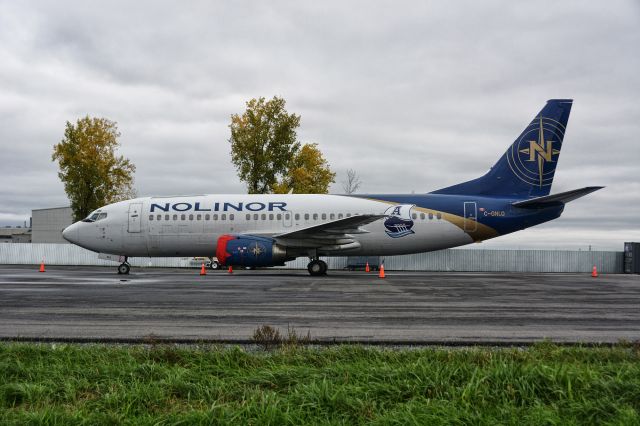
{"x": 214, "y": 265}
{"x": 124, "y": 269}
{"x": 315, "y": 268}
{"x": 324, "y": 267}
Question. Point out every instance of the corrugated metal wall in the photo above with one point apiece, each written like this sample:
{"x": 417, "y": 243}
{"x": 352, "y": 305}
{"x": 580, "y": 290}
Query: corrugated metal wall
{"x": 444, "y": 260}
{"x": 509, "y": 261}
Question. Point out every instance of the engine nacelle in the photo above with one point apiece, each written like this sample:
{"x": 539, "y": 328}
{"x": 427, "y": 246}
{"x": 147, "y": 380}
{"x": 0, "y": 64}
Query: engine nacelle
{"x": 249, "y": 250}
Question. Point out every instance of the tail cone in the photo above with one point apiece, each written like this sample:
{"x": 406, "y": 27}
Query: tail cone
{"x": 203, "y": 270}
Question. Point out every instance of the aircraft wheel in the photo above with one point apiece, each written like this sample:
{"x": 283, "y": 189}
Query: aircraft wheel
{"x": 315, "y": 268}
{"x": 214, "y": 265}
{"x": 124, "y": 269}
{"x": 324, "y": 267}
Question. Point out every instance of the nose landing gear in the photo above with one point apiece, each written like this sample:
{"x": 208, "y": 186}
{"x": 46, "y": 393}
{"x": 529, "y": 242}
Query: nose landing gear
{"x": 124, "y": 267}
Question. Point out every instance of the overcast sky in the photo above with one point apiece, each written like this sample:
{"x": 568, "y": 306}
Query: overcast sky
{"x": 414, "y": 96}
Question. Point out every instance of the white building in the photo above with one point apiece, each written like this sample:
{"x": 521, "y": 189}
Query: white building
{"x": 47, "y": 224}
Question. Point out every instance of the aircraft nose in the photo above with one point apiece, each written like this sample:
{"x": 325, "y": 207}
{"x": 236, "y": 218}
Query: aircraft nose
{"x": 70, "y": 233}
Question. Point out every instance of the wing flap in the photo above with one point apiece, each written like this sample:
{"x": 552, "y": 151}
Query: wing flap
{"x": 334, "y": 233}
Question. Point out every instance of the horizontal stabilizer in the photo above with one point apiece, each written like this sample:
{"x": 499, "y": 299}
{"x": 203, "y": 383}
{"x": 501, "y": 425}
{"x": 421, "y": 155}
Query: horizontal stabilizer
{"x": 556, "y": 199}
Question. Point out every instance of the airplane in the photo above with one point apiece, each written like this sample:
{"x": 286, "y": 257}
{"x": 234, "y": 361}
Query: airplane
{"x": 262, "y": 230}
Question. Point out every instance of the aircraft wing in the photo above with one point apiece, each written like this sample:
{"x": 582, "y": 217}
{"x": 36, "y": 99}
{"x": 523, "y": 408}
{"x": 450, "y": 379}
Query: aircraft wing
{"x": 555, "y": 199}
{"x": 333, "y": 235}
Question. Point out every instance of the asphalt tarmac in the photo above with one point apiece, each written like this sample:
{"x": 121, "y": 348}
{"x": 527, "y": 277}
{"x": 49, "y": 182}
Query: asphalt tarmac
{"x": 92, "y": 303}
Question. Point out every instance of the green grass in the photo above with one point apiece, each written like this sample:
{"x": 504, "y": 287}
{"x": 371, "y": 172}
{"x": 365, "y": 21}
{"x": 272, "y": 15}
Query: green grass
{"x": 96, "y": 384}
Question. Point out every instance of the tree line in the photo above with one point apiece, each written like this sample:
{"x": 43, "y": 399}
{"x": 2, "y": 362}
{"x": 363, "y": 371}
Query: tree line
{"x": 265, "y": 150}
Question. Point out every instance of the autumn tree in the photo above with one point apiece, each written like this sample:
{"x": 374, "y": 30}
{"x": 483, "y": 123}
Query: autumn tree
{"x": 91, "y": 172}
{"x": 263, "y": 143}
{"x": 309, "y": 173}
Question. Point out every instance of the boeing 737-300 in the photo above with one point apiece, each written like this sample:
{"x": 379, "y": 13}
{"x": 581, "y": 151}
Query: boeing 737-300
{"x": 269, "y": 230}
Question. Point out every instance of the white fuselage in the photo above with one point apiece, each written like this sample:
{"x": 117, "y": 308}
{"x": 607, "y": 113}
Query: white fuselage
{"x": 191, "y": 225}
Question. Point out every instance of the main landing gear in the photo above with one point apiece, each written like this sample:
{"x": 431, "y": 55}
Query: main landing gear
{"x": 317, "y": 267}
{"x": 124, "y": 267}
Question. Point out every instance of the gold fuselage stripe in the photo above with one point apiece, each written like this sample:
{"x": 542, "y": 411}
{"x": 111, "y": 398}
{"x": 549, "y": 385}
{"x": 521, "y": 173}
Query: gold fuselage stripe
{"x": 481, "y": 232}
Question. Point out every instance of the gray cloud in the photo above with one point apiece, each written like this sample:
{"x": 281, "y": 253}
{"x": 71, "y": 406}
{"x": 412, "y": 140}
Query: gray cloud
{"x": 414, "y": 96}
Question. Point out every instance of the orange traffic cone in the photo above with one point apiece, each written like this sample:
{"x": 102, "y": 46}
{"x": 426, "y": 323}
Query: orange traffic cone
{"x": 594, "y": 273}
{"x": 381, "y": 273}
{"x": 366, "y": 268}
{"x": 230, "y": 269}
{"x": 203, "y": 270}
{"x": 42, "y": 266}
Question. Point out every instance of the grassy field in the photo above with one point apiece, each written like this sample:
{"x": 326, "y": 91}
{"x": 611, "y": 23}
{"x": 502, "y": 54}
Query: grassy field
{"x": 95, "y": 384}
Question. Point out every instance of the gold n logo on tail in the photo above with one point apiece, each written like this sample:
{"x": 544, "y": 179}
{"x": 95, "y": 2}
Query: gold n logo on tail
{"x": 540, "y": 151}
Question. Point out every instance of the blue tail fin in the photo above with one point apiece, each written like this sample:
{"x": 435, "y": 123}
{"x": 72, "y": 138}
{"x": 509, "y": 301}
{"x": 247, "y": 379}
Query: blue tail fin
{"x": 527, "y": 168}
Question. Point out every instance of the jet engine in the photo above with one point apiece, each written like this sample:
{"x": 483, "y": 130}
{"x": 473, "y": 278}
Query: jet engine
{"x": 249, "y": 250}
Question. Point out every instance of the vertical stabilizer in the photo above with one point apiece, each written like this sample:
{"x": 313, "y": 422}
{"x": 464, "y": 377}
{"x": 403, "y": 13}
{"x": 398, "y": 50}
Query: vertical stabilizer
{"x": 527, "y": 168}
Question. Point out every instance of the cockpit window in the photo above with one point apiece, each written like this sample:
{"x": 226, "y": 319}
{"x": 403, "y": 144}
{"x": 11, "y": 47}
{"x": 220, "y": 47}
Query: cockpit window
{"x": 94, "y": 216}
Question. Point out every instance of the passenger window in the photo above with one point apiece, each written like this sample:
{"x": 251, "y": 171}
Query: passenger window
{"x": 199, "y": 217}
{"x": 297, "y": 216}
{"x": 159, "y": 217}
{"x": 348, "y": 214}
{"x": 175, "y": 217}
{"x": 414, "y": 216}
{"x": 315, "y": 216}
{"x": 339, "y": 215}
{"x": 430, "y": 216}
{"x": 332, "y": 216}
{"x": 166, "y": 217}
{"x": 270, "y": 216}
{"x": 183, "y": 217}
{"x": 215, "y": 216}
{"x": 263, "y": 216}
{"x": 422, "y": 216}
{"x": 207, "y": 216}
{"x": 306, "y": 216}
{"x": 279, "y": 216}
{"x": 190, "y": 217}
{"x": 248, "y": 216}
{"x": 223, "y": 216}
{"x": 255, "y": 216}
{"x": 287, "y": 216}
{"x": 439, "y": 215}
{"x": 324, "y": 216}
{"x": 231, "y": 216}
{"x": 150, "y": 217}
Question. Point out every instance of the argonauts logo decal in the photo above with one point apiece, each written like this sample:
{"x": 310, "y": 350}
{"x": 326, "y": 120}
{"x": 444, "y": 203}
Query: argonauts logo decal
{"x": 399, "y": 223}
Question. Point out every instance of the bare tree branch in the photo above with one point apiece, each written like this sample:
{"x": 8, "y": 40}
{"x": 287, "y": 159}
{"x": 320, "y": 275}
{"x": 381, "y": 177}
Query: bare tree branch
{"x": 352, "y": 183}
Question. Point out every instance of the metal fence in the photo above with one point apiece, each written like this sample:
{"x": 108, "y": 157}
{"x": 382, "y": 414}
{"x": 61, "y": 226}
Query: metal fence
{"x": 444, "y": 260}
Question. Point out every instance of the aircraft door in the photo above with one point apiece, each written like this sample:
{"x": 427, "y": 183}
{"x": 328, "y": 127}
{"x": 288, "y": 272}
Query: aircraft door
{"x": 135, "y": 214}
{"x": 287, "y": 219}
{"x": 470, "y": 216}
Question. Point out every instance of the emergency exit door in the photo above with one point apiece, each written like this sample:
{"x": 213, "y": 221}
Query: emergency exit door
{"x": 287, "y": 219}
{"x": 470, "y": 216}
{"x": 135, "y": 213}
